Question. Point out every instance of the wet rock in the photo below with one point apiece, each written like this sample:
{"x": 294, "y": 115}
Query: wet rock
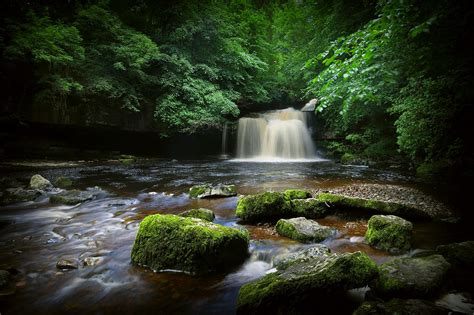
{"x": 66, "y": 263}
{"x": 304, "y": 230}
{"x": 309, "y": 284}
{"x": 72, "y": 197}
{"x": 371, "y": 206}
{"x": 92, "y": 261}
{"x": 400, "y": 307}
{"x": 201, "y": 213}
{"x": 4, "y": 278}
{"x": 458, "y": 254}
{"x": 39, "y": 182}
{"x": 188, "y": 244}
{"x": 210, "y": 191}
{"x": 411, "y": 277}
{"x": 127, "y": 159}
{"x": 297, "y": 194}
{"x": 389, "y": 232}
{"x": 309, "y": 208}
{"x": 15, "y": 195}
{"x": 263, "y": 207}
{"x": 62, "y": 182}
{"x": 318, "y": 252}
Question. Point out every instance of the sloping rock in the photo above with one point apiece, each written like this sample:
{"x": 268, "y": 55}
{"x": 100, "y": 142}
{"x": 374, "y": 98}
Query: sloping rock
{"x": 400, "y": 307}
{"x": 201, "y": 213}
{"x": 65, "y": 263}
{"x": 72, "y": 197}
{"x": 309, "y": 283}
{"x": 411, "y": 277}
{"x": 188, "y": 244}
{"x": 14, "y": 195}
{"x": 389, "y": 232}
{"x": 210, "y": 191}
{"x": 316, "y": 252}
{"x": 39, "y": 182}
{"x": 304, "y": 230}
{"x": 293, "y": 194}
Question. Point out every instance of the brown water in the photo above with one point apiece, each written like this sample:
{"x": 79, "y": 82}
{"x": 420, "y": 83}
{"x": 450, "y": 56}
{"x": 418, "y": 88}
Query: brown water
{"x": 34, "y": 235}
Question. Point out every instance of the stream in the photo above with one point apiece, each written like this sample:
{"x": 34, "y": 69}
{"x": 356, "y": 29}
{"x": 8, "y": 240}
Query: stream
{"x": 35, "y": 235}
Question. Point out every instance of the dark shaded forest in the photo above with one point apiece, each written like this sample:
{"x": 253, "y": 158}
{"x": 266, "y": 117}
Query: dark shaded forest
{"x": 392, "y": 78}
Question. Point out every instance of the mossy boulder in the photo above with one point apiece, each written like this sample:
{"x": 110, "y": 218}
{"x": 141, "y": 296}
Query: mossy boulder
{"x": 39, "y": 182}
{"x": 15, "y": 195}
{"x": 62, "y": 182}
{"x": 72, "y": 197}
{"x": 370, "y": 206}
{"x": 201, "y": 213}
{"x": 309, "y": 208}
{"x": 400, "y": 307}
{"x": 188, "y": 244}
{"x": 306, "y": 284}
{"x": 267, "y": 206}
{"x": 304, "y": 230}
{"x": 297, "y": 194}
{"x": 210, "y": 191}
{"x": 317, "y": 252}
{"x": 389, "y": 232}
{"x": 411, "y": 277}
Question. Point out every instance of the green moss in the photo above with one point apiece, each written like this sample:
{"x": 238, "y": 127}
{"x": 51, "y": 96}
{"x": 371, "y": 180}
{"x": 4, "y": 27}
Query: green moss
{"x": 127, "y": 161}
{"x": 371, "y": 206}
{"x": 297, "y": 194}
{"x": 197, "y": 190}
{"x": 62, "y": 182}
{"x": 389, "y": 233}
{"x": 188, "y": 244}
{"x": 266, "y": 206}
{"x": 303, "y": 230}
{"x": 283, "y": 291}
{"x": 201, "y": 213}
{"x": 309, "y": 208}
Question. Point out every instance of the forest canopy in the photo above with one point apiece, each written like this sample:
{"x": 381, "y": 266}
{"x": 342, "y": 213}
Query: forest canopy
{"x": 392, "y": 77}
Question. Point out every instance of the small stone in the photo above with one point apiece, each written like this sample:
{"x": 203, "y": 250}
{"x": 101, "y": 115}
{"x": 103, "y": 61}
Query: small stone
{"x": 210, "y": 191}
{"x": 92, "y": 261}
{"x": 39, "y": 182}
{"x": 67, "y": 264}
{"x": 304, "y": 230}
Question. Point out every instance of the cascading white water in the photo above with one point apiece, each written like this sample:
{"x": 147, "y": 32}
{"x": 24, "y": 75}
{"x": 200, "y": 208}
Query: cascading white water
{"x": 280, "y": 134}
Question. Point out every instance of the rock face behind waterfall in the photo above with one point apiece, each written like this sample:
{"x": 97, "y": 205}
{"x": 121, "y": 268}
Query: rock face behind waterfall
{"x": 188, "y": 244}
{"x": 277, "y": 134}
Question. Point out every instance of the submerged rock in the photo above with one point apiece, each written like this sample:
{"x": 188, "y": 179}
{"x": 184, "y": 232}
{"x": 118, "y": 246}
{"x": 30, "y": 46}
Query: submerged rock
{"x": 62, "y": 182}
{"x": 389, "y": 232}
{"x": 316, "y": 252}
{"x": 201, "y": 213}
{"x": 14, "y": 195}
{"x": 4, "y": 278}
{"x": 39, "y": 182}
{"x": 210, "y": 191}
{"x": 307, "y": 284}
{"x": 411, "y": 277}
{"x": 304, "y": 230}
{"x": 65, "y": 263}
{"x": 92, "y": 261}
{"x": 188, "y": 244}
{"x": 370, "y": 206}
{"x": 400, "y": 307}
{"x": 458, "y": 254}
{"x": 263, "y": 207}
{"x": 72, "y": 197}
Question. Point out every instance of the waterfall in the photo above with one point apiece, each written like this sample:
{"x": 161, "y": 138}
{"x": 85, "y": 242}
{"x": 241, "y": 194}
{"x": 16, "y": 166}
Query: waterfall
{"x": 224, "y": 140}
{"x": 275, "y": 135}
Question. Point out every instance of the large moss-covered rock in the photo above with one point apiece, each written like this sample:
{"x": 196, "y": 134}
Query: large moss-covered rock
{"x": 309, "y": 208}
{"x": 62, "y": 182}
{"x": 411, "y": 277}
{"x": 400, "y": 307}
{"x": 369, "y": 206}
{"x": 267, "y": 206}
{"x": 317, "y": 252}
{"x": 304, "y": 230}
{"x": 297, "y": 194}
{"x": 14, "y": 195}
{"x": 306, "y": 284}
{"x": 210, "y": 191}
{"x": 188, "y": 244}
{"x": 201, "y": 213}
{"x": 72, "y": 197}
{"x": 39, "y": 182}
{"x": 389, "y": 232}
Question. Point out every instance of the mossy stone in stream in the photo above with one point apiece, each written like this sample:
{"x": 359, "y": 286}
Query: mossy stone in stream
{"x": 71, "y": 197}
{"x": 389, "y": 232}
{"x": 458, "y": 254}
{"x": 210, "y": 191}
{"x": 188, "y": 244}
{"x": 14, "y": 195}
{"x": 297, "y": 194}
{"x": 411, "y": 277}
{"x": 39, "y": 182}
{"x": 303, "y": 230}
{"x": 308, "y": 284}
{"x": 201, "y": 213}
{"x": 267, "y": 206}
{"x": 309, "y": 208}
{"x": 370, "y": 206}
{"x": 317, "y": 252}
{"x": 62, "y": 182}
